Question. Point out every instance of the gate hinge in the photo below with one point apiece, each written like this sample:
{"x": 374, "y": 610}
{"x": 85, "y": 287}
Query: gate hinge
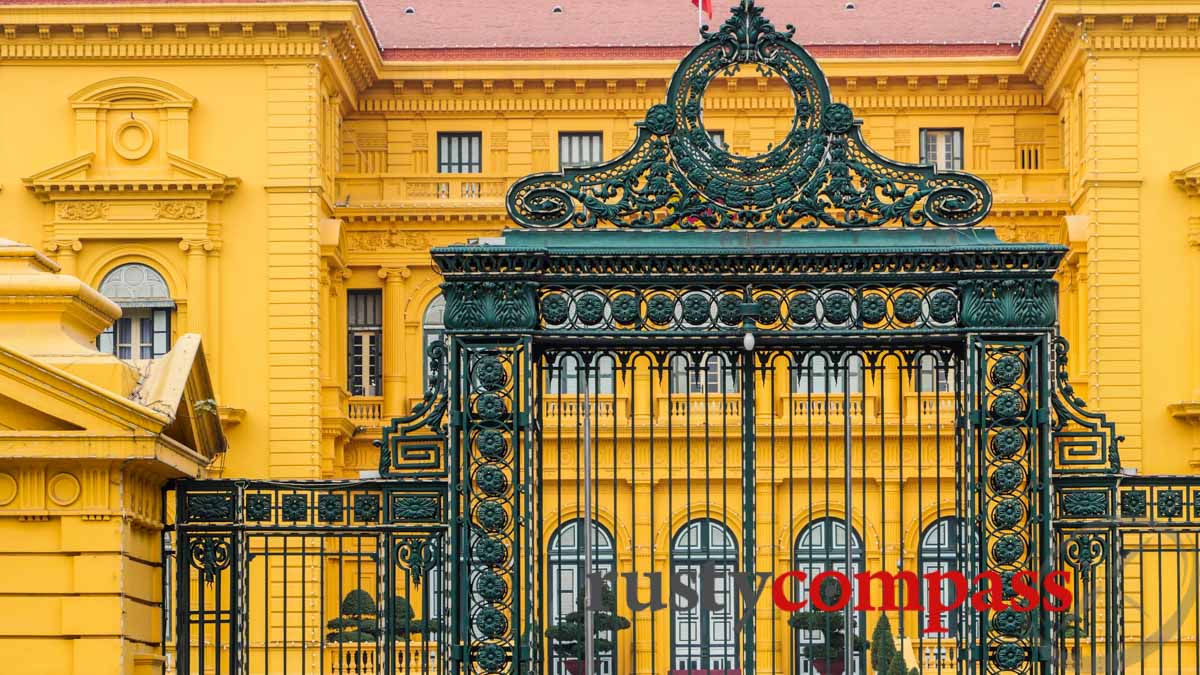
{"x": 458, "y": 653}
{"x": 1043, "y": 416}
{"x": 976, "y": 417}
{"x": 522, "y": 420}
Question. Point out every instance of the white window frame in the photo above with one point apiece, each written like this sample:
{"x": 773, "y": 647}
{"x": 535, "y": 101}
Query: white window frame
{"x": 943, "y": 148}
{"x": 580, "y": 148}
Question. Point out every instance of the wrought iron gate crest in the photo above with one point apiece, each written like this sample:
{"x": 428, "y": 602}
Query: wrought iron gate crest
{"x": 822, "y": 173}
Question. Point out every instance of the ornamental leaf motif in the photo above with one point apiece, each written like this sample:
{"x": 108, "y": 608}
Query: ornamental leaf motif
{"x": 822, "y": 174}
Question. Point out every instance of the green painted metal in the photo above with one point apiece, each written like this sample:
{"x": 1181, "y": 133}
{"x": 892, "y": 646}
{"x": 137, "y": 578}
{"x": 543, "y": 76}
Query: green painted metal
{"x": 822, "y": 174}
{"x": 776, "y": 257}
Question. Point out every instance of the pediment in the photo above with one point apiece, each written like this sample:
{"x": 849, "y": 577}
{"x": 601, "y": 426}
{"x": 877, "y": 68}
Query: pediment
{"x": 81, "y": 175}
{"x": 49, "y": 399}
{"x": 1188, "y": 179}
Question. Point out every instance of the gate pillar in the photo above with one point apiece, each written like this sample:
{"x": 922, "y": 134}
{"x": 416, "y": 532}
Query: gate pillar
{"x": 1007, "y": 494}
{"x": 493, "y": 540}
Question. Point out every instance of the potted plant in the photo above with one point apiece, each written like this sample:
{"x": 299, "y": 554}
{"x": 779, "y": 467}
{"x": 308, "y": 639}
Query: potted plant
{"x": 568, "y": 634}
{"x": 357, "y": 621}
{"x": 828, "y": 657}
{"x": 1071, "y": 631}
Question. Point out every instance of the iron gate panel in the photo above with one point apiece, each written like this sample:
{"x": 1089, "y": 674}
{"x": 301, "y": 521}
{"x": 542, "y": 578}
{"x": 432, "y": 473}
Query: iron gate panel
{"x": 762, "y": 445}
{"x": 763, "y": 395}
{"x": 320, "y": 577}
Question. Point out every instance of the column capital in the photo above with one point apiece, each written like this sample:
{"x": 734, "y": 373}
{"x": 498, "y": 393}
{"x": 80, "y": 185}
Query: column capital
{"x": 197, "y": 246}
{"x": 394, "y": 274}
{"x": 64, "y": 246}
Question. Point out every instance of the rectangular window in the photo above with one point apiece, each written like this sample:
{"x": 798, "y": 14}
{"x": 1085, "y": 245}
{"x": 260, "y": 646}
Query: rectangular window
{"x": 942, "y": 148}
{"x": 460, "y": 152}
{"x": 364, "y": 324}
{"x": 579, "y": 149}
{"x": 718, "y": 138}
{"x": 141, "y": 333}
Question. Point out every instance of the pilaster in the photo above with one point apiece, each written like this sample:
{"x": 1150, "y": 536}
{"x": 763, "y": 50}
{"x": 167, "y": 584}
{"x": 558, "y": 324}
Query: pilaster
{"x": 294, "y": 207}
{"x": 394, "y": 352}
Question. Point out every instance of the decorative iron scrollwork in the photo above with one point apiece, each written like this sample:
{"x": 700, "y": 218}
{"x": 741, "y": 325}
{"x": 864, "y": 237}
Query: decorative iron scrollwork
{"x": 1082, "y": 439}
{"x": 415, "y": 444}
{"x": 822, "y": 174}
{"x": 210, "y": 555}
{"x": 418, "y": 555}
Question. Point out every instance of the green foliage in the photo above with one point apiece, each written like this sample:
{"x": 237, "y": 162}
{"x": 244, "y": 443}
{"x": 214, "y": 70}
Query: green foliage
{"x": 358, "y": 622}
{"x": 831, "y": 625}
{"x": 568, "y": 634}
{"x": 883, "y": 645}
{"x": 406, "y": 622}
{"x": 1072, "y": 628}
{"x": 897, "y": 666}
{"x": 913, "y": 671}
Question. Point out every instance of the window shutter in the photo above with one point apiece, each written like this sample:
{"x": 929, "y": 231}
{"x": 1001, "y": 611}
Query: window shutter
{"x": 124, "y": 338}
{"x": 161, "y": 331}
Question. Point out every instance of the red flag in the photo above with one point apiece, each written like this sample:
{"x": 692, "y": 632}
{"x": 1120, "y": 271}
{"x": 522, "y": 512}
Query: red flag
{"x": 705, "y": 6}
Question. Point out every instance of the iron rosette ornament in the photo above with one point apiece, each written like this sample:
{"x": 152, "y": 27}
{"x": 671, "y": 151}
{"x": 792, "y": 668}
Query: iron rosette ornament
{"x": 821, "y": 174}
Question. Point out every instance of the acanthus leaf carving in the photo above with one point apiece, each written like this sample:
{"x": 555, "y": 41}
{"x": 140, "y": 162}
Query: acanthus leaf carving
{"x": 82, "y": 210}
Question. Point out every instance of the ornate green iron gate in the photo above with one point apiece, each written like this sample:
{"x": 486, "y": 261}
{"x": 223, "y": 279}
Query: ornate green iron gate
{"x": 686, "y": 359}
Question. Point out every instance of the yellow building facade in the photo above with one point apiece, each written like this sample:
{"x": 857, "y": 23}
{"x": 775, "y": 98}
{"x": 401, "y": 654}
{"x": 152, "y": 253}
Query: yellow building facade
{"x": 265, "y": 177}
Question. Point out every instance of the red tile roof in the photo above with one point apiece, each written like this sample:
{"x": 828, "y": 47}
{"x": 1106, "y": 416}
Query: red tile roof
{"x": 600, "y": 28}
{"x": 588, "y": 29}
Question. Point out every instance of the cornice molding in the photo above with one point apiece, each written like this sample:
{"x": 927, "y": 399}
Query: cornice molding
{"x": 636, "y": 105}
{"x": 337, "y": 33}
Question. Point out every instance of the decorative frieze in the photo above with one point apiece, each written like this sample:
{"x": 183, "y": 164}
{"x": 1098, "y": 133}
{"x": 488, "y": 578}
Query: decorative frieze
{"x": 84, "y": 210}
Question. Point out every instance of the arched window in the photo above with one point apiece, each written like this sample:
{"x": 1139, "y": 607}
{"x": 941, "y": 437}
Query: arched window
{"x": 821, "y": 374}
{"x": 939, "y": 553}
{"x": 565, "y": 557}
{"x": 566, "y": 374}
{"x": 702, "y": 637}
{"x": 433, "y": 326}
{"x": 822, "y": 547}
{"x": 934, "y": 375}
{"x": 710, "y": 373}
{"x": 144, "y": 329}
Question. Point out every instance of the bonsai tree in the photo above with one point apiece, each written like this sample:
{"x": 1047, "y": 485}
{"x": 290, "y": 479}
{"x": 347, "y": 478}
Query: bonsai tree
{"x": 357, "y": 622}
{"x": 883, "y": 646}
{"x": 406, "y": 622}
{"x": 568, "y": 634}
{"x": 828, "y": 657}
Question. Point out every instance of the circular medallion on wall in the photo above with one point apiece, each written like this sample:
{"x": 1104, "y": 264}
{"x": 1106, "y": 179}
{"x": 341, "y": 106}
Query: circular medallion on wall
{"x": 8, "y": 489}
{"x": 63, "y": 489}
{"x": 133, "y": 139}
